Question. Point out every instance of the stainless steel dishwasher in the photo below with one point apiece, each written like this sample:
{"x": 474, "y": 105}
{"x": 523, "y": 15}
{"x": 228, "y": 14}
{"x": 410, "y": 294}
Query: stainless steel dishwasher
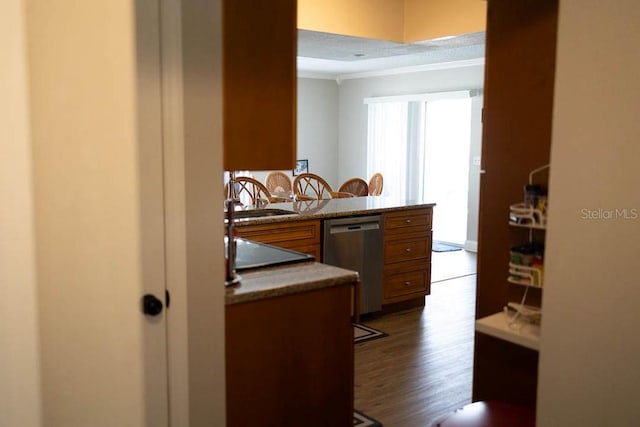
{"x": 355, "y": 243}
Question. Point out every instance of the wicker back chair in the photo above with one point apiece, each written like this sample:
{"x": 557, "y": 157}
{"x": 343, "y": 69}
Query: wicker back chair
{"x": 278, "y": 182}
{"x": 375, "y": 184}
{"x": 355, "y": 186}
{"x": 251, "y": 188}
{"x": 310, "y": 184}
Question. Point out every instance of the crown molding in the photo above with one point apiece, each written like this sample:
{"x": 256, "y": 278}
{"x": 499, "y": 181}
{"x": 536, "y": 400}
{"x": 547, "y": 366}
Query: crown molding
{"x": 412, "y": 69}
{"x": 390, "y": 71}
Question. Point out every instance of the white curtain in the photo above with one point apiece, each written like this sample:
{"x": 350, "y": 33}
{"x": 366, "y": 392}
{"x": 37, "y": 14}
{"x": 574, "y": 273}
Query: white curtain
{"x": 387, "y": 145}
{"x": 415, "y": 162}
{"x": 396, "y": 147}
{"x": 397, "y": 134}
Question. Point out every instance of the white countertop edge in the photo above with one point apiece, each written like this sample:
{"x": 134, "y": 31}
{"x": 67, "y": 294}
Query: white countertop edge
{"x": 496, "y": 325}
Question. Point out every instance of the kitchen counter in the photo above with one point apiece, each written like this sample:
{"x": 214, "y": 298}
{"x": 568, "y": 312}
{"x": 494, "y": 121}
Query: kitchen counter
{"x": 406, "y": 242}
{"x": 289, "y": 346}
{"x": 287, "y": 279}
{"x": 333, "y": 208}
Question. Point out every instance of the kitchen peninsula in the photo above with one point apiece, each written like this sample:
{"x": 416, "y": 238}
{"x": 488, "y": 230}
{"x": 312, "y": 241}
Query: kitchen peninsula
{"x": 406, "y": 242}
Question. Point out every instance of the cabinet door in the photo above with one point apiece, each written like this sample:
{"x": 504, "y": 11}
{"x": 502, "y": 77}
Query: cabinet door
{"x": 406, "y": 280}
{"x": 407, "y": 255}
{"x": 290, "y": 360}
{"x": 407, "y": 250}
{"x": 259, "y": 75}
{"x": 301, "y": 236}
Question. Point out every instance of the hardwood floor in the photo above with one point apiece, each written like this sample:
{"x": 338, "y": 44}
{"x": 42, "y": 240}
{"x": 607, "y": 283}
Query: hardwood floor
{"x": 448, "y": 265}
{"x": 423, "y": 369}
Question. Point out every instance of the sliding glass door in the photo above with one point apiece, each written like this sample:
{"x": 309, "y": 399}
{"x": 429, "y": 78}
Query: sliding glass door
{"x": 420, "y": 143}
{"x": 447, "y": 138}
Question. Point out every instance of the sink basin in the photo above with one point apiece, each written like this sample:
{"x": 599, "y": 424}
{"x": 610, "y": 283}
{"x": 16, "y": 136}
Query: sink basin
{"x": 257, "y": 213}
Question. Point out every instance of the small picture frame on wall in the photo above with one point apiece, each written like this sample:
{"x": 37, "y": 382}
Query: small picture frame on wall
{"x": 302, "y": 166}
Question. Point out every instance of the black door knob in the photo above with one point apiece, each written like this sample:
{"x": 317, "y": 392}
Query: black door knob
{"x": 151, "y": 305}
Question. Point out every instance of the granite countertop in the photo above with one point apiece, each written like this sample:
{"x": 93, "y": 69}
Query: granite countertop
{"x": 287, "y": 279}
{"x": 332, "y": 208}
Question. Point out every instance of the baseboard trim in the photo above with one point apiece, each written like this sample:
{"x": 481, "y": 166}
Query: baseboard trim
{"x": 471, "y": 246}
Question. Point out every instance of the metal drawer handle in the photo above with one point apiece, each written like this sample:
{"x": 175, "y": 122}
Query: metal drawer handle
{"x": 408, "y": 221}
{"x": 407, "y": 283}
{"x": 408, "y": 250}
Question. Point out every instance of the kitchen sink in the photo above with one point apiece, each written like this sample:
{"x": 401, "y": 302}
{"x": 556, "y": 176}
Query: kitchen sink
{"x": 258, "y": 213}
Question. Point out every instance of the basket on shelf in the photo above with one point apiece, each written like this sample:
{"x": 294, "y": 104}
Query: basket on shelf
{"x": 525, "y": 275}
{"x": 525, "y": 215}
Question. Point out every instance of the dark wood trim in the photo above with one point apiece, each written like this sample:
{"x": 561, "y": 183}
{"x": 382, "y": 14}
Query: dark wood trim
{"x": 518, "y": 103}
{"x": 504, "y": 371}
{"x": 517, "y": 123}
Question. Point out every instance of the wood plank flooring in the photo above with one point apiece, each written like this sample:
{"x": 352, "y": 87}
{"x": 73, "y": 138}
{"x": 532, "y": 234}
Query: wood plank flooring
{"x": 448, "y": 265}
{"x": 423, "y": 369}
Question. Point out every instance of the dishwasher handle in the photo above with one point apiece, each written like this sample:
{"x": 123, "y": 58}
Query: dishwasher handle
{"x": 351, "y": 228}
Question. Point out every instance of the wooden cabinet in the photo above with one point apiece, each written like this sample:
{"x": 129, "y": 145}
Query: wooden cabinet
{"x": 518, "y": 107}
{"x": 407, "y": 255}
{"x": 290, "y": 360}
{"x": 301, "y": 236}
{"x": 259, "y": 78}
{"x": 406, "y": 271}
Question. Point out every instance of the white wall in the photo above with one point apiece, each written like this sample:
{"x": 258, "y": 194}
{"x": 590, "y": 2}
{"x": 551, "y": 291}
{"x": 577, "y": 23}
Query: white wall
{"x": 20, "y": 403}
{"x": 86, "y": 195}
{"x": 317, "y": 128}
{"x": 318, "y": 112}
{"x": 590, "y": 350}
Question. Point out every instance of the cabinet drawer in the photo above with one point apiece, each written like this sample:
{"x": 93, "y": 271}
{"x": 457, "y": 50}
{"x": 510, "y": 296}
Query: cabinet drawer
{"x": 301, "y": 236}
{"x": 297, "y": 233}
{"x": 408, "y": 283}
{"x": 407, "y": 222}
{"x": 406, "y": 250}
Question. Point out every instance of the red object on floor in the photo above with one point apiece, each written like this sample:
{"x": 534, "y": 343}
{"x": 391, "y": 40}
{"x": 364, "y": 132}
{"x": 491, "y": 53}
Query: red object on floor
{"x": 490, "y": 414}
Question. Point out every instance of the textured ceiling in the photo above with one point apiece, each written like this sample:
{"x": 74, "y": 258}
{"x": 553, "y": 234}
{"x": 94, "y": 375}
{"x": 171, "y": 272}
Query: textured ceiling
{"x": 334, "y": 54}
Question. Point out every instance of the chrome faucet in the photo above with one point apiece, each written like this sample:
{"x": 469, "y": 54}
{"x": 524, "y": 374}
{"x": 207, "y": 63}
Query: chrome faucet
{"x": 231, "y": 277}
